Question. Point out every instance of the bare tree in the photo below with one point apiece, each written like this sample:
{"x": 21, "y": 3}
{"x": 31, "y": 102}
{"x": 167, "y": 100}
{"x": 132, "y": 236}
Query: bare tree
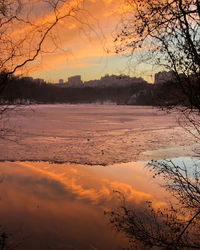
{"x": 175, "y": 227}
{"x": 25, "y": 26}
{"x": 167, "y": 33}
{"x": 28, "y": 29}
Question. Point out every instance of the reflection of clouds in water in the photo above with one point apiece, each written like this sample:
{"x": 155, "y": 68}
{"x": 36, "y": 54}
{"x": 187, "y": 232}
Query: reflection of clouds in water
{"x": 66, "y": 202}
{"x": 94, "y": 194}
{"x": 128, "y": 190}
{"x": 68, "y": 182}
{"x": 45, "y": 188}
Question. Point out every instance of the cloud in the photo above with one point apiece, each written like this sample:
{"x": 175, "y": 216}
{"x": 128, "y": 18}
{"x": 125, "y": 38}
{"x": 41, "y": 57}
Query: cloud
{"x": 85, "y": 35}
{"x": 76, "y": 42}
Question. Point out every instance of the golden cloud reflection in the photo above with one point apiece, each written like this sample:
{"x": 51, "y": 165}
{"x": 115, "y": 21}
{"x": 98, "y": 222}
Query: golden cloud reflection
{"x": 94, "y": 183}
{"x": 63, "y": 204}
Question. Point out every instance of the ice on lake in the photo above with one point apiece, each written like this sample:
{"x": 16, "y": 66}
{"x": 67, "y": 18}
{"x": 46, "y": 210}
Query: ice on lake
{"x": 94, "y": 134}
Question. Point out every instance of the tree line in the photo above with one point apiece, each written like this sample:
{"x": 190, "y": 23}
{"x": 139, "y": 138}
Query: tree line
{"x": 25, "y": 91}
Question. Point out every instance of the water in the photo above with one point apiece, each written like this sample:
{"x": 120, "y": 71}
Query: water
{"x": 51, "y": 206}
{"x": 62, "y": 206}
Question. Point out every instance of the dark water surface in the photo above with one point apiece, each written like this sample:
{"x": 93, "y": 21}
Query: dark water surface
{"x": 52, "y": 206}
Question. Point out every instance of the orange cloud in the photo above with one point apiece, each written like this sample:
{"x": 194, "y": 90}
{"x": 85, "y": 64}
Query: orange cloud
{"x": 66, "y": 8}
{"x": 87, "y": 35}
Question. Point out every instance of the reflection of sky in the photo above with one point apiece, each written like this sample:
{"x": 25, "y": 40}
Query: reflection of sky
{"x": 63, "y": 205}
{"x": 185, "y": 163}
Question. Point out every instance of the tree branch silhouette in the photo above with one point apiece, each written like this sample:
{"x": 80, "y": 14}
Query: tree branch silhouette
{"x": 24, "y": 33}
{"x": 166, "y": 33}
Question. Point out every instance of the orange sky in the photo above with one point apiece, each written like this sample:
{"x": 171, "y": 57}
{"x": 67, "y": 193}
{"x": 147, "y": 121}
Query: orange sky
{"x": 79, "y": 48}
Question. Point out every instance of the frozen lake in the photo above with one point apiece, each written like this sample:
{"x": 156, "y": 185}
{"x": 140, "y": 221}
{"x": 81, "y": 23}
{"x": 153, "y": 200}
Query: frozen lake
{"x": 94, "y": 134}
{"x": 45, "y": 205}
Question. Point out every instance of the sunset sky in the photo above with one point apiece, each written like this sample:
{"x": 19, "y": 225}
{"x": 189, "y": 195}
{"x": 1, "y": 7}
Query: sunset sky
{"x": 86, "y": 49}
